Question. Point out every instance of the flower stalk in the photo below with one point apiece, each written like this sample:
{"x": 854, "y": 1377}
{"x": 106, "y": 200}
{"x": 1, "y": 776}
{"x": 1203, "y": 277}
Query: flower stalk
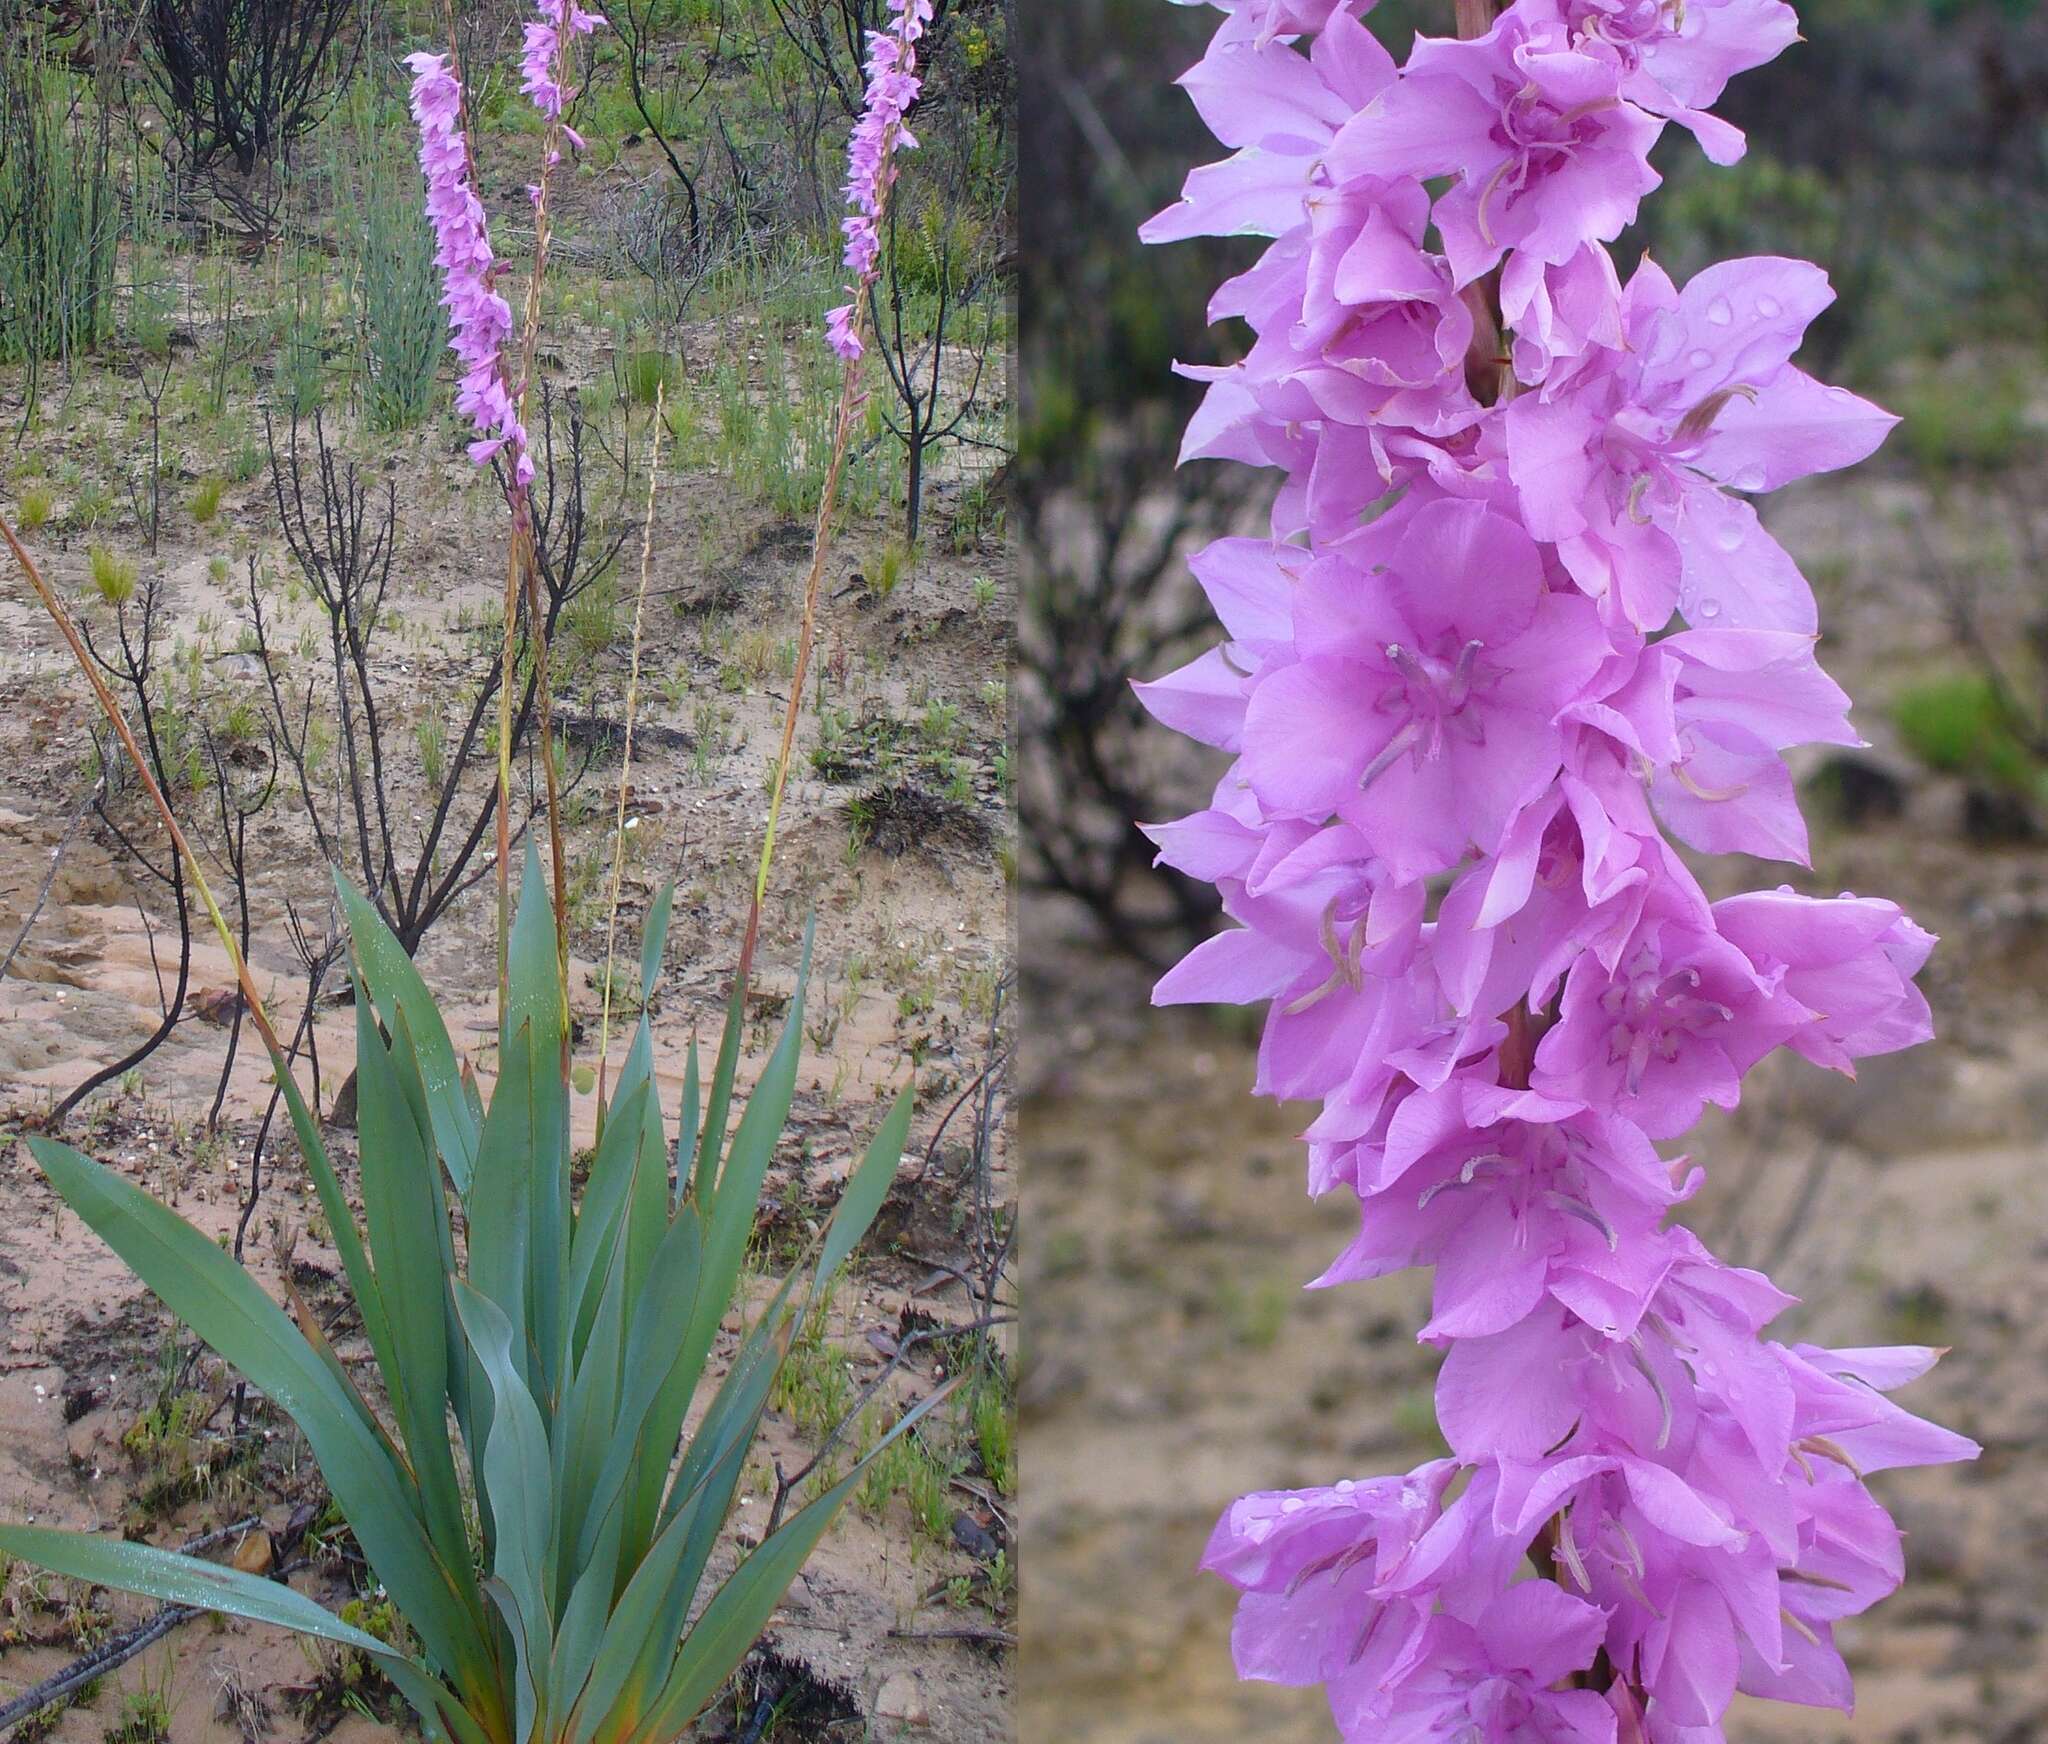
{"x": 611, "y": 925}
{"x": 878, "y": 135}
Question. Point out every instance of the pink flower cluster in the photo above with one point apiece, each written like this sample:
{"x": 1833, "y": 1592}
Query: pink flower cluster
{"x": 479, "y": 319}
{"x": 1515, "y": 630}
{"x": 893, "y": 86}
{"x": 539, "y": 59}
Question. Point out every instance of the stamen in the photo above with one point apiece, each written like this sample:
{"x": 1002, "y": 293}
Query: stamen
{"x": 1650, "y": 1374}
{"x": 1472, "y": 1167}
{"x": 1814, "y": 1580}
{"x": 1486, "y": 197}
{"x": 1833, "y": 1450}
{"x": 1326, "y": 930}
{"x": 1337, "y": 1564}
{"x": 1568, "y": 1551}
{"x": 1315, "y": 996}
{"x": 1585, "y": 1213}
{"x": 1691, "y": 786}
{"x": 1365, "y": 1635}
{"x": 1628, "y": 1543}
{"x": 1390, "y": 754}
{"x": 1799, "y": 1624}
{"x": 1697, "y": 422}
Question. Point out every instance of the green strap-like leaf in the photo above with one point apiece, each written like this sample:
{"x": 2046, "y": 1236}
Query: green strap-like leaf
{"x": 173, "y": 1579}
{"x": 686, "y": 1130}
{"x": 516, "y": 1474}
{"x": 655, "y": 939}
{"x": 730, "y": 1210}
{"x": 536, "y": 1000}
{"x": 635, "y": 1650}
{"x": 600, "y": 1221}
{"x": 341, "y": 1222}
{"x": 500, "y": 1201}
{"x": 740, "y": 1609}
{"x": 226, "y": 1308}
{"x": 733, "y": 1421}
{"x": 647, "y": 1200}
{"x": 402, "y": 1204}
{"x": 645, "y": 1437}
{"x": 394, "y": 985}
{"x": 583, "y": 1428}
{"x": 711, "y": 1138}
{"x": 405, "y": 1061}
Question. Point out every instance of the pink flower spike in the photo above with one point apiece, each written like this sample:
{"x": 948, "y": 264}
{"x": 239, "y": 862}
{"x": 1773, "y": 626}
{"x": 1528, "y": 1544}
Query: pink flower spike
{"x": 480, "y": 321}
{"x": 892, "y": 87}
{"x": 1515, "y": 631}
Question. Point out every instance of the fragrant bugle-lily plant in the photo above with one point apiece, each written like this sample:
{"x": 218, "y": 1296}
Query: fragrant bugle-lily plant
{"x": 540, "y": 1352}
{"x": 525, "y": 1490}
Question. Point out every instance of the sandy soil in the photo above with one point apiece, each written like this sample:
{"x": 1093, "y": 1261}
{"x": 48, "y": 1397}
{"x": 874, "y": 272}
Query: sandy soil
{"x": 1175, "y": 1363}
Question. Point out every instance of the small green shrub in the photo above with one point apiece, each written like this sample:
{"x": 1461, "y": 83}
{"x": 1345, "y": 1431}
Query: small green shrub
{"x": 113, "y": 578}
{"x": 648, "y": 374}
{"x": 93, "y": 506}
{"x": 37, "y": 505}
{"x": 1966, "y": 421}
{"x": 206, "y": 499}
{"x": 1958, "y": 725}
{"x": 398, "y": 298}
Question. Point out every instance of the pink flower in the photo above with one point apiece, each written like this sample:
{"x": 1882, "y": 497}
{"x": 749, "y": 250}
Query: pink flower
{"x": 1492, "y": 1680}
{"x": 1281, "y": 111}
{"x": 1431, "y": 671}
{"x": 840, "y": 334}
{"x": 1626, "y": 463}
{"x": 1675, "y": 60}
{"x": 1548, "y": 154}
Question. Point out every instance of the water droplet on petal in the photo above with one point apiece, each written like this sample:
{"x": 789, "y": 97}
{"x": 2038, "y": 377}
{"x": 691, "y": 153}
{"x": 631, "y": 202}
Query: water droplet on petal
{"x": 1290, "y": 1505}
{"x": 1767, "y": 307}
{"x": 1346, "y": 1485}
{"x": 1710, "y": 609}
{"x": 1729, "y": 536}
{"x": 1719, "y": 312}
{"x": 1700, "y": 359}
